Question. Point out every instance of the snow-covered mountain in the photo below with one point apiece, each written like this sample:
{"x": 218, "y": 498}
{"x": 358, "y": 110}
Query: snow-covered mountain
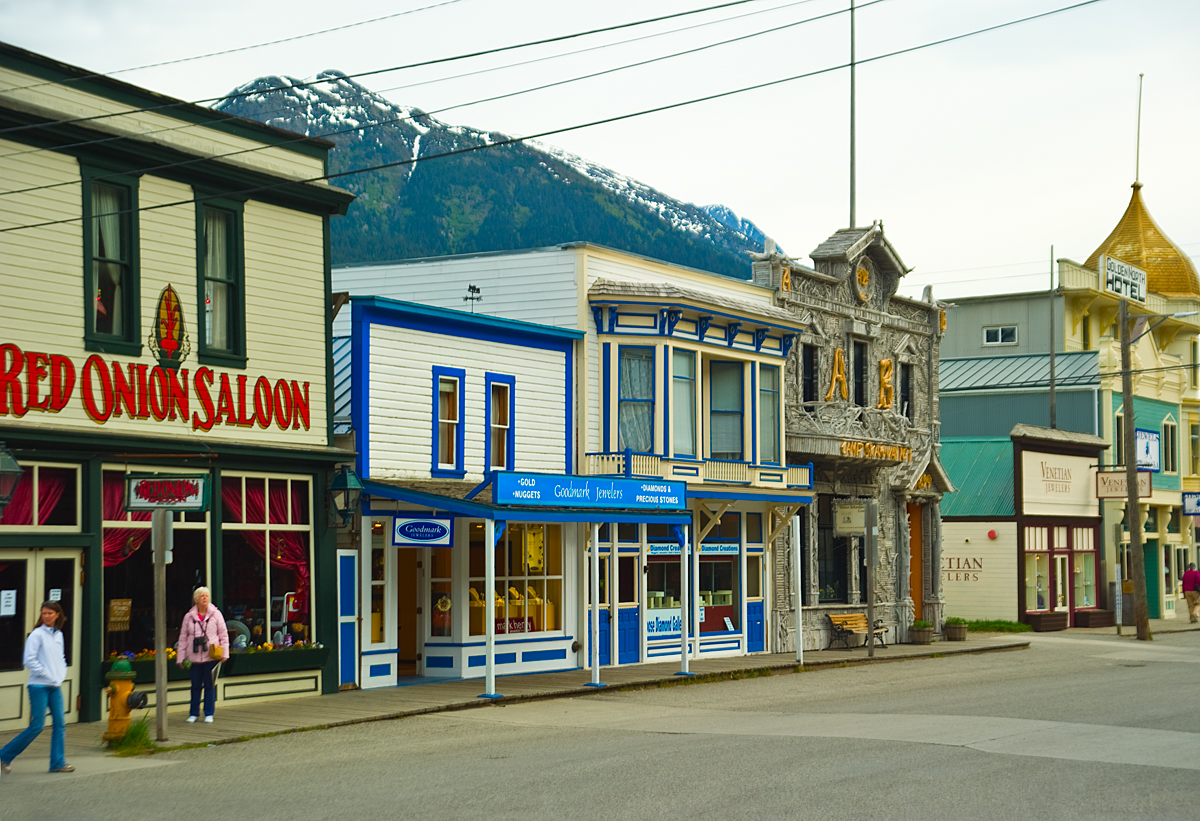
{"x": 520, "y": 195}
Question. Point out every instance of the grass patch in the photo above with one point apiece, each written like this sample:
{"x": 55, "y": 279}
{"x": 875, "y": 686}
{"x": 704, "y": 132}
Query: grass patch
{"x": 137, "y": 740}
{"x": 998, "y": 626}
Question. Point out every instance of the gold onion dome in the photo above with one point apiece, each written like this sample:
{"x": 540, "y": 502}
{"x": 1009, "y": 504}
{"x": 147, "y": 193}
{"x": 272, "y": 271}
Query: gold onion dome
{"x": 1138, "y": 240}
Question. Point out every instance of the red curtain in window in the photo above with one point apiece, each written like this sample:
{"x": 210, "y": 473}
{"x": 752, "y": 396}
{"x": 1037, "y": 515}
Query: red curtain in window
{"x": 120, "y": 542}
{"x": 289, "y": 550}
{"x": 19, "y": 511}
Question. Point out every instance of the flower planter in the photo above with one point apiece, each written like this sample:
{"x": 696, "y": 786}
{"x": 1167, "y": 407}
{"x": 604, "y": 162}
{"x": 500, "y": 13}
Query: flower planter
{"x": 145, "y": 671}
{"x": 955, "y": 632}
{"x": 274, "y": 661}
{"x": 920, "y": 636}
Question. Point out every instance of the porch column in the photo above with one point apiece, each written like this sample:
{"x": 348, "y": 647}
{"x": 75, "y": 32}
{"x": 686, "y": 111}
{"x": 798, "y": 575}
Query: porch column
{"x": 798, "y": 588}
{"x": 685, "y": 600}
{"x": 489, "y": 610}
{"x": 595, "y": 615}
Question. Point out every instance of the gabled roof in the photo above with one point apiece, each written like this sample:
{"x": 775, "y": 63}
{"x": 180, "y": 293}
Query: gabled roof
{"x": 849, "y": 243}
{"x": 1138, "y": 240}
{"x": 982, "y": 471}
{"x": 1020, "y": 372}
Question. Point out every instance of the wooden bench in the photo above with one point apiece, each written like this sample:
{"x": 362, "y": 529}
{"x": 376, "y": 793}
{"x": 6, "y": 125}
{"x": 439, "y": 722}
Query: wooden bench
{"x": 845, "y": 625}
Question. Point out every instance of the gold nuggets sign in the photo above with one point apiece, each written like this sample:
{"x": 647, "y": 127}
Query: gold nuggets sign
{"x": 869, "y": 450}
{"x": 48, "y": 383}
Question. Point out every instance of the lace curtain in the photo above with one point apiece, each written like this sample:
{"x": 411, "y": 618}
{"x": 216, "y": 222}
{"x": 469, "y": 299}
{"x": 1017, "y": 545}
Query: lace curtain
{"x": 635, "y": 412}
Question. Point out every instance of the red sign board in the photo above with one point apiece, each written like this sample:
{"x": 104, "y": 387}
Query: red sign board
{"x": 158, "y": 491}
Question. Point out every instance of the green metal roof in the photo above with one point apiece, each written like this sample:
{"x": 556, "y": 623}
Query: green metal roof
{"x": 1018, "y": 372}
{"x": 981, "y": 469}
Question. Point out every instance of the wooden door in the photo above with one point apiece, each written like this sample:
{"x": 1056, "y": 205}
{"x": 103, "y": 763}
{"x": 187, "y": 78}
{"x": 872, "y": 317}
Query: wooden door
{"x": 916, "y": 560}
{"x": 408, "y": 621}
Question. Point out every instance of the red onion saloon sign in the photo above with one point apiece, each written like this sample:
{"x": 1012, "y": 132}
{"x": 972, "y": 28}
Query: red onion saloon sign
{"x": 157, "y": 491}
{"x": 41, "y": 382}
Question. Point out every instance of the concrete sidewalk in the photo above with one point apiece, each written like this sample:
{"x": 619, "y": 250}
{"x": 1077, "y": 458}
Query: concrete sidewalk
{"x": 434, "y": 695}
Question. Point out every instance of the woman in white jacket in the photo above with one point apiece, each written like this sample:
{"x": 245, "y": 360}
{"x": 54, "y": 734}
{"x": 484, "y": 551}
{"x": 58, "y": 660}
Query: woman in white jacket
{"x": 47, "y": 665}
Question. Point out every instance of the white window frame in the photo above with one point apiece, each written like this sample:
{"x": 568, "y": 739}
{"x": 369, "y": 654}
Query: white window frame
{"x": 999, "y": 329}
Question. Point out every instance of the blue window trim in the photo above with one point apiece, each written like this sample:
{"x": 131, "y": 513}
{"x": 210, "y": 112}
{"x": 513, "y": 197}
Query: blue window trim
{"x": 458, "y": 471}
{"x": 607, "y": 356}
{"x": 668, "y": 369}
{"x": 490, "y": 379}
{"x": 778, "y": 414}
{"x": 742, "y": 403}
{"x": 653, "y": 349}
{"x": 753, "y": 412}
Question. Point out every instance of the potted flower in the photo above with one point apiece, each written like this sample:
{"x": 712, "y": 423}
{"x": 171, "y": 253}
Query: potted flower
{"x": 920, "y": 632}
{"x": 955, "y": 629}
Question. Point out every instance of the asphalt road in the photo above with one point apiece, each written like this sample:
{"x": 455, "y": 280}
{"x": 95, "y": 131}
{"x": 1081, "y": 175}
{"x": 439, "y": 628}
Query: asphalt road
{"x": 1089, "y": 728}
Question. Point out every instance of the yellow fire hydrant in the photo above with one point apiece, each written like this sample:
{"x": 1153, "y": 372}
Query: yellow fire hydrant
{"x": 120, "y": 686}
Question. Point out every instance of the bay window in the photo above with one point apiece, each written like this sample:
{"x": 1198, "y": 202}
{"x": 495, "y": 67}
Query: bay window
{"x": 768, "y": 414}
{"x": 635, "y": 408}
{"x": 683, "y": 402}
{"x": 725, "y": 410}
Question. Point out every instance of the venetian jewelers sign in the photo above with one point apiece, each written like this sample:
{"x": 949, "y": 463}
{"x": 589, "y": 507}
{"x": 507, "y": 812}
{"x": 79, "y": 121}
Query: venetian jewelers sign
{"x": 1112, "y": 485}
{"x": 1056, "y": 485}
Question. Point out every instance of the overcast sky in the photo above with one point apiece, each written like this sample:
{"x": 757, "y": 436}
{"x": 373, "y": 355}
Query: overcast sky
{"x": 977, "y": 155}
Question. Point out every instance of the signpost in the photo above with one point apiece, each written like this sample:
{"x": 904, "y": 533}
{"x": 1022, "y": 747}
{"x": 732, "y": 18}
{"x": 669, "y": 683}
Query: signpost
{"x": 163, "y": 494}
{"x": 1112, "y": 484}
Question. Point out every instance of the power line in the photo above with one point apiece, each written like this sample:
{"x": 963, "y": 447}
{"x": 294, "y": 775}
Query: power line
{"x": 435, "y": 61}
{"x": 551, "y": 132}
{"x": 143, "y": 134}
{"x": 234, "y": 50}
{"x": 393, "y": 120}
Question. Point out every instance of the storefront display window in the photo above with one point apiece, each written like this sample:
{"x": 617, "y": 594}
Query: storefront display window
{"x": 832, "y": 570}
{"x": 378, "y": 585}
{"x": 528, "y": 593}
{"x": 267, "y": 559}
{"x": 1085, "y": 580}
{"x": 662, "y": 582}
{"x": 440, "y": 603}
{"x": 1037, "y": 581}
{"x": 129, "y": 569}
{"x": 46, "y": 496}
{"x": 717, "y": 596}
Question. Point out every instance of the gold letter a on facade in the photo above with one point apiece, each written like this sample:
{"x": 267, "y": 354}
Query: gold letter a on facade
{"x": 839, "y": 376}
{"x": 886, "y": 393}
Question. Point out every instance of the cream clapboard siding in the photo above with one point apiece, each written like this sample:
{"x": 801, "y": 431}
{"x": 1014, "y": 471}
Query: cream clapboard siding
{"x": 538, "y": 286}
{"x": 979, "y": 576}
{"x": 41, "y": 294}
{"x": 64, "y": 101}
{"x": 401, "y": 401}
{"x": 603, "y": 264}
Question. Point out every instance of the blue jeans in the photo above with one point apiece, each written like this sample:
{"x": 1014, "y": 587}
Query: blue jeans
{"x": 202, "y": 679}
{"x": 41, "y": 696}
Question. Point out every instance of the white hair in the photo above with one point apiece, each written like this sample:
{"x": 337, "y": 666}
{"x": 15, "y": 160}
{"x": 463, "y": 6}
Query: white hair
{"x": 196, "y": 593}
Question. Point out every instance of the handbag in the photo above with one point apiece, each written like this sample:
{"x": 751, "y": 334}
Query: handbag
{"x": 216, "y": 652}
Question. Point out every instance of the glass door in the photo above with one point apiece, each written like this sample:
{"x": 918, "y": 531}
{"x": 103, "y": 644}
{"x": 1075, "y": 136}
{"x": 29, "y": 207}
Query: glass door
{"x": 1062, "y": 579}
{"x": 28, "y": 578}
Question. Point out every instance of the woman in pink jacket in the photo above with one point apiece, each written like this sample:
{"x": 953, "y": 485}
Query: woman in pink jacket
{"x": 203, "y": 630}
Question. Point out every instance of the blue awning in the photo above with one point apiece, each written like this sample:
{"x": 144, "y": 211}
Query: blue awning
{"x": 514, "y": 513}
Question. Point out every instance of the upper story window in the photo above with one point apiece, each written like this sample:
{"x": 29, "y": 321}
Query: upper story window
{"x": 1000, "y": 335}
{"x": 1195, "y": 364}
{"x": 754, "y": 528}
{"x": 1170, "y": 448}
{"x": 635, "y": 409}
{"x": 110, "y": 237}
{"x": 220, "y": 274}
{"x": 906, "y": 404}
{"x": 726, "y": 414}
{"x": 809, "y": 375}
{"x": 500, "y": 444}
{"x": 860, "y": 375}
{"x": 448, "y": 407}
{"x": 683, "y": 401}
{"x": 768, "y": 414}
{"x": 1194, "y": 437}
{"x": 1085, "y": 332}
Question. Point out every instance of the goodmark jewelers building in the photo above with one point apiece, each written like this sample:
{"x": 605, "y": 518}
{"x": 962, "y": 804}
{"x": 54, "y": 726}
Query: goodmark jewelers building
{"x": 165, "y": 310}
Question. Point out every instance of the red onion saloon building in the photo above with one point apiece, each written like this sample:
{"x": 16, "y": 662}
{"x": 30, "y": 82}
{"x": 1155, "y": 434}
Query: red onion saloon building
{"x": 165, "y": 310}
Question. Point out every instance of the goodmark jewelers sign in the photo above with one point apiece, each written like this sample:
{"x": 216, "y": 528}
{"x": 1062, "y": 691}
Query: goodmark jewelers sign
{"x": 425, "y": 531}
{"x": 553, "y": 490}
{"x": 1057, "y": 485}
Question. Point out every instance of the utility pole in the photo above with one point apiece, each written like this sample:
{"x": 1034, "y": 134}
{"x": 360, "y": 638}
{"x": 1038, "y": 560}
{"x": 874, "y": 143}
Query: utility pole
{"x": 852, "y": 183}
{"x": 1133, "y": 517}
{"x": 1053, "y": 345}
{"x": 161, "y": 536}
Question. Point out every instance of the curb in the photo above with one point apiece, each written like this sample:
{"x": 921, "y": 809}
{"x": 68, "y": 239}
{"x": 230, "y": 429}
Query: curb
{"x": 650, "y": 683}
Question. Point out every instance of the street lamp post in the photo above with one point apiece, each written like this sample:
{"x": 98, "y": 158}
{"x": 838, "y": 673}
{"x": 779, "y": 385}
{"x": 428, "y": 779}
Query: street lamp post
{"x": 1133, "y": 516}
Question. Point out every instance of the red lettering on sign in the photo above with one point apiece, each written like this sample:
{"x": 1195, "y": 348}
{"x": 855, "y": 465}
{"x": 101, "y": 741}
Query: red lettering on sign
{"x": 143, "y": 393}
{"x": 242, "y": 419}
{"x": 62, "y": 381}
{"x": 177, "y": 387}
{"x": 37, "y": 368}
{"x": 10, "y": 381}
{"x": 300, "y": 404}
{"x": 283, "y": 405}
{"x": 166, "y": 491}
{"x": 204, "y": 378}
{"x": 262, "y": 402}
{"x": 160, "y": 399}
{"x": 95, "y": 368}
{"x": 124, "y": 390}
{"x": 225, "y": 402}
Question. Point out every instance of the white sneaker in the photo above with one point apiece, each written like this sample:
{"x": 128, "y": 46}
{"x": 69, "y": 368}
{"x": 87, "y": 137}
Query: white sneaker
{"x": 191, "y": 719}
{"x": 208, "y": 719}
